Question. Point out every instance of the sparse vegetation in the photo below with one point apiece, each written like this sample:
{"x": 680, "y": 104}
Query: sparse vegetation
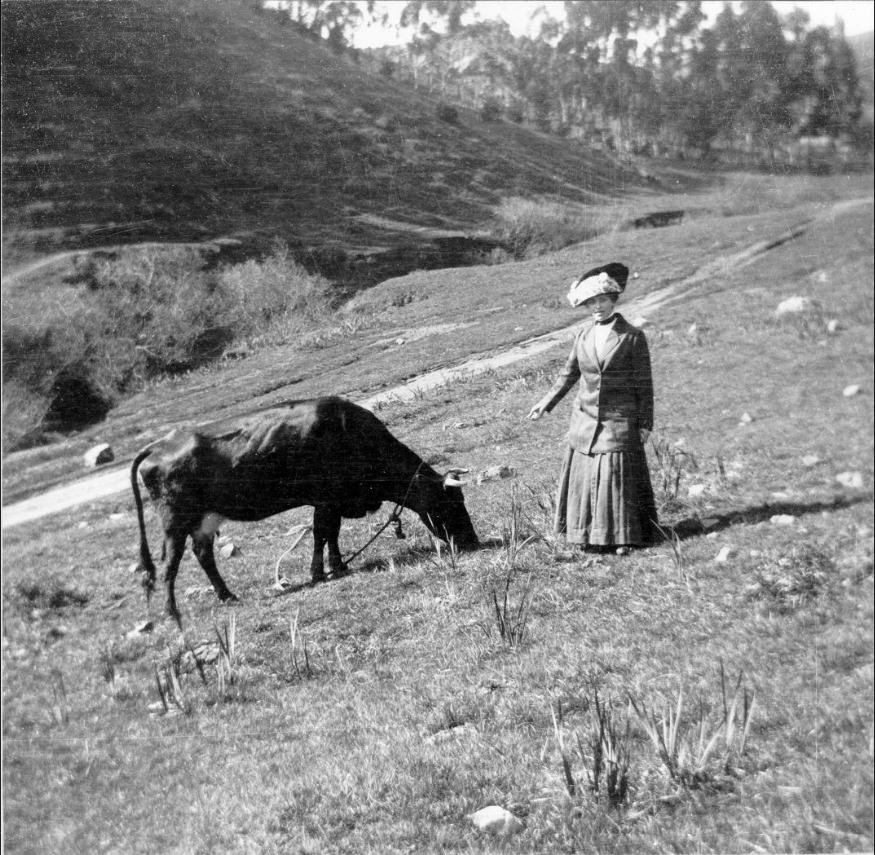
{"x": 531, "y": 228}
{"x": 142, "y": 314}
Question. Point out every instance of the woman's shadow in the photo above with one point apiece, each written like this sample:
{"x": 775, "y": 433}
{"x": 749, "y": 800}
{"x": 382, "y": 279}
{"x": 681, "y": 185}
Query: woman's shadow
{"x": 695, "y": 526}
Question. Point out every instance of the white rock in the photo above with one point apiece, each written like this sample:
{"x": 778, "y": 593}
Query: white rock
{"x": 494, "y": 473}
{"x": 850, "y": 391}
{"x": 853, "y": 480}
{"x": 641, "y": 322}
{"x": 746, "y": 419}
{"x": 98, "y": 455}
{"x": 141, "y": 629}
{"x": 810, "y": 460}
{"x": 725, "y": 554}
{"x": 695, "y": 490}
{"x": 496, "y": 820}
{"x": 229, "y": 550}
{"x": 833, "y": 326}
{"x": 782, "y": 519}
{"x": 796, "y": 306}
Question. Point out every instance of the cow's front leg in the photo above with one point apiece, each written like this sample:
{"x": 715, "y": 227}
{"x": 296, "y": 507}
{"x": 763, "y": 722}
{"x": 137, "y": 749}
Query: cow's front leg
{"x": 202, "y": 546}
{"x": 174, "y": 545}
{"x": 326, "y": 528}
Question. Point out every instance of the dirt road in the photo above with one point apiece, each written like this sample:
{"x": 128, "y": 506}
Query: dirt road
{"x": 115, "y": 481}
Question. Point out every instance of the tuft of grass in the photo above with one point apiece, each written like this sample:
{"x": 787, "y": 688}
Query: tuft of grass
{"x": 672, "y": 466}
{"x": 512, "y": 620}
{"x": 299, "y": 654}
{"x": 60, "y": 708}
{"x": 226, "y": 662}
{"x": 788, "y": 578}
{"x": 688, "y": 744}
{"x": 170, "y": 692}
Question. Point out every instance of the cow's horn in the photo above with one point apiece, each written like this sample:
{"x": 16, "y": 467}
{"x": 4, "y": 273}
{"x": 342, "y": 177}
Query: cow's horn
{"x": 450, "y": 479}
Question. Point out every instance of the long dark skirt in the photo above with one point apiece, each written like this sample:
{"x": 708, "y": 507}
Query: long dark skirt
{"x": 606, "y": 499}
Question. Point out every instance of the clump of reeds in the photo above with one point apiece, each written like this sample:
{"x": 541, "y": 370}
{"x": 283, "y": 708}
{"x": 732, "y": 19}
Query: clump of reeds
{"x": 694, "y": 750}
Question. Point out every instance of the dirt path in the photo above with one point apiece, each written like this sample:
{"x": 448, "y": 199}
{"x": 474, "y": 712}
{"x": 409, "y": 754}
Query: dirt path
{"x": 116, "y": 481}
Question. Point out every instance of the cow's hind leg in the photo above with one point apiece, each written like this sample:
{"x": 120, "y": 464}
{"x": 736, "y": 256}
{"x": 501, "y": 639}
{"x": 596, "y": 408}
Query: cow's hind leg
{"x": 174, "y": 545}
{"x": 326, "y": 529}
{"x": 202, "y": 546}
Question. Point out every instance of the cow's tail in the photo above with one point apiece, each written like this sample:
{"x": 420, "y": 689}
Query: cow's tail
{"x": 146, "y": 565}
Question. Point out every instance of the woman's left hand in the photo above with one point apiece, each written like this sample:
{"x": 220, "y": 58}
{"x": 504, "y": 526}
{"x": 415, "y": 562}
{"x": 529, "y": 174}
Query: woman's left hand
{"x": 643, "y": 435}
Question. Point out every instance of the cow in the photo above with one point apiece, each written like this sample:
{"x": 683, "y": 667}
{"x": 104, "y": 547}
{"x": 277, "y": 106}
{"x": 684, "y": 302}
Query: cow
{"x": 326, "y": 452}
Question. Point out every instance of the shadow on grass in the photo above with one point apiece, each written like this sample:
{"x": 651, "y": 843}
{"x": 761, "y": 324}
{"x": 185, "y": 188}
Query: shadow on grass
{"x": 693, "y": 527}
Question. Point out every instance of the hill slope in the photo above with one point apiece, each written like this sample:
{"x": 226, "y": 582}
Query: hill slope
{"x": 129, "y": 121}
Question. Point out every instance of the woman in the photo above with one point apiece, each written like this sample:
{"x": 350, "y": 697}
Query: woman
{"x": 605, "y": 496}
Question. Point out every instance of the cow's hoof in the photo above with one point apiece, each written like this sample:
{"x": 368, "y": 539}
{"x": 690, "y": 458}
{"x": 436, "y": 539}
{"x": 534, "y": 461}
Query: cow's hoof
{"x": 317, "y": 580}
{"x": 228, "y": 598}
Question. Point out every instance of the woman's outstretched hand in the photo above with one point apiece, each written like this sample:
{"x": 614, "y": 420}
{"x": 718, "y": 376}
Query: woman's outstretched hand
{"x": 537, "y": 411}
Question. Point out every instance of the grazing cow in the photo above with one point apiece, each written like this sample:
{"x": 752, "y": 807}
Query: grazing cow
{"x": 328, "y": 453}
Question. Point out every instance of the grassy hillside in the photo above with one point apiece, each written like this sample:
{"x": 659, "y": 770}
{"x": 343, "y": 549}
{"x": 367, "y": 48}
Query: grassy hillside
{"x": 163, "y": 120}
{"x": 373, "y": 713}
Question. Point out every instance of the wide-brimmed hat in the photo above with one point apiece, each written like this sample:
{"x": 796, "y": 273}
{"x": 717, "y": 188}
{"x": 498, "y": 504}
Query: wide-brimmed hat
{"x": 607, "y": 279}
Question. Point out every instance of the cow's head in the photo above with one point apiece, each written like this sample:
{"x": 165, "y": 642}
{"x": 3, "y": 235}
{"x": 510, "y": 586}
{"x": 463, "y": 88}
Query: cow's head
{"x": 442, "y": 509}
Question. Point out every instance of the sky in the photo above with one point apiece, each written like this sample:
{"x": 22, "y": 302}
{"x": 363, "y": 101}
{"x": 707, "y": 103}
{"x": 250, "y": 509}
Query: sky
{"x": 856, "y": 14}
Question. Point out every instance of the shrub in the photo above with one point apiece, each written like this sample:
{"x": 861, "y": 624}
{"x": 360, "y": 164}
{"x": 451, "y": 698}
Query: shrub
{"x": 491, "y": 110}
{"x": 142, "y": 315}
{"x": 447, "y": 113}
{"x": 515, "y": 114}
{"x": 531, "y": 228}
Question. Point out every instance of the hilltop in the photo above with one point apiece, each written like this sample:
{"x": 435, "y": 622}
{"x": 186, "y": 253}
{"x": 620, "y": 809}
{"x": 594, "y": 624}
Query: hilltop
{"x": 187, "y": 121}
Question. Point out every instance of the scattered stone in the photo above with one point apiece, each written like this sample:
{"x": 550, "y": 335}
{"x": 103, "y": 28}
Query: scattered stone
{"x": 725, "y": 554}
{"x": 496, "y": 820}
{"x": 810, "y": 460}
{"x": 782, "y": 519}
{"x": 796, "y": 306}
{"x": 833, "y": 326}
{"x": 463, "y": 731}
{"x": 641, "y": 322}
{"x": 746, "y": 419}
{"x": 851, "y": 480}
{"x": 680, "y": 443}
{"x": 710, "y": 522}
{"x": 141, "y": 629}
{"x": 496, "y": 473}
{"x": 696, "y": 490}
{"x": 98, "y": 455}
{"x": 229, "y": 550}
{"x": 850, "y": 391}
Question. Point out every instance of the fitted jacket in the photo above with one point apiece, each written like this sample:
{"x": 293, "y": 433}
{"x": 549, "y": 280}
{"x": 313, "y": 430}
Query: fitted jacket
{"x": 615, "y": 397}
